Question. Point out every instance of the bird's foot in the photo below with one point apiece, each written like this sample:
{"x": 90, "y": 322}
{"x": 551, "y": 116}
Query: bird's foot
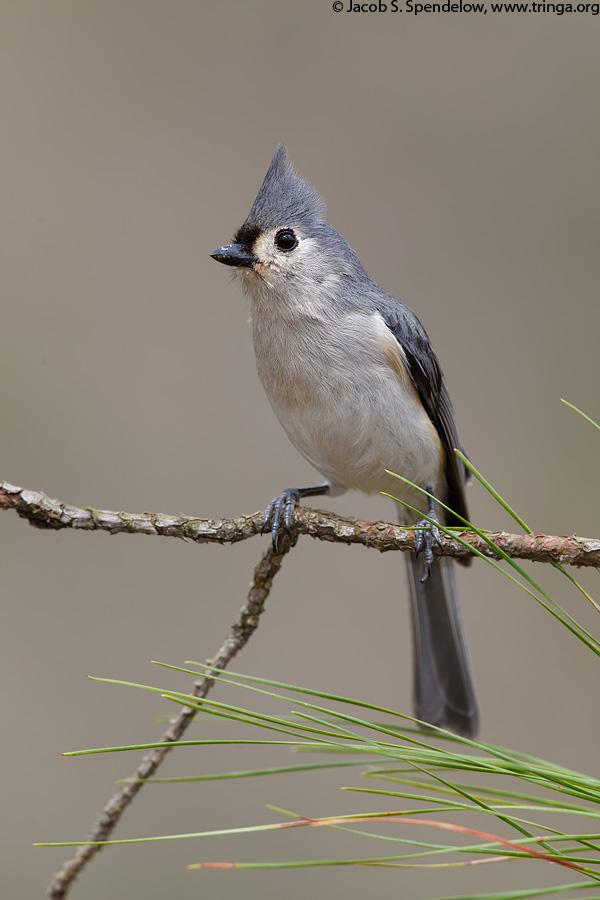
{"x": 428, "y": 533}
{"x": 279, "y": 515}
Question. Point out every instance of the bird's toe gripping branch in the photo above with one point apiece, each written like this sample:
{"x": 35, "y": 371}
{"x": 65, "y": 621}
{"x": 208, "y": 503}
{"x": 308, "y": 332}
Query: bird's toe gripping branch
{"x": 427, "y": 534}
{"x": 279, "y": 514}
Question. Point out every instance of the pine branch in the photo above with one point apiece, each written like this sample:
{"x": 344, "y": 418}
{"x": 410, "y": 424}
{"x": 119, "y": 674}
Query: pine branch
{"x": 42, "y": 512}
{"x": 240, "y": 633}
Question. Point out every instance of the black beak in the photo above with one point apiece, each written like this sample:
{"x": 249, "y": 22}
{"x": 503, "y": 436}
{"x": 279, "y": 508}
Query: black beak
{"x": 234, "y": 255}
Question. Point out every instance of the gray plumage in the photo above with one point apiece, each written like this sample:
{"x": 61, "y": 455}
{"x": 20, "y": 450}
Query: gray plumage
{"x": 285, "y": 197}
{"x": 351, "y": 375}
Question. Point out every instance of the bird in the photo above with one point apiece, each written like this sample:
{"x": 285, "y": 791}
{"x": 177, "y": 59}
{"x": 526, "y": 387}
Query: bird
{"x": 353, "y": 379}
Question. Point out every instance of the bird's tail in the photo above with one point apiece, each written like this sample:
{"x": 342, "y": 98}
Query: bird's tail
{"x": 444, "y": 692}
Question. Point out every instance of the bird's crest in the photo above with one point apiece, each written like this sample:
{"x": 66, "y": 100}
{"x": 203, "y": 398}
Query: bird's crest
{"x": 284, "y": 198}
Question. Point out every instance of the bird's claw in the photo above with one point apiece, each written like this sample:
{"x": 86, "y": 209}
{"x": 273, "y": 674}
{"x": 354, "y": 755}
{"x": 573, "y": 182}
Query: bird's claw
{"x": 428, "y": 533}
{"x": 279, "y": 513}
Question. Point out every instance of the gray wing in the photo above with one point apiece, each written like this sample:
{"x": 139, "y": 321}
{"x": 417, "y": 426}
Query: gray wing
{"x": 428, "y": 379}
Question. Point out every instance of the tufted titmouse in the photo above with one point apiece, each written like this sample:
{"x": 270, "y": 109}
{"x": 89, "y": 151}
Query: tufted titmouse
{"x": 352, "y": 377}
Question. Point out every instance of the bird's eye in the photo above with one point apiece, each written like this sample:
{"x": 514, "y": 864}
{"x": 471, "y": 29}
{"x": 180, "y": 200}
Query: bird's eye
{"x": 286, "y": 239}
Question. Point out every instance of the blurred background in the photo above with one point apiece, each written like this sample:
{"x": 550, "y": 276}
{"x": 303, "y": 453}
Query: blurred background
{"x": 458, "y": 154}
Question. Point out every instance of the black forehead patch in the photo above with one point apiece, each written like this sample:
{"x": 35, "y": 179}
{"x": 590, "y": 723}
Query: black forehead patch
{"x": 247, "y": 234}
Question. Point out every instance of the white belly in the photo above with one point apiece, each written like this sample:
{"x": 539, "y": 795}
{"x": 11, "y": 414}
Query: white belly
{"x": 351, "y": 415}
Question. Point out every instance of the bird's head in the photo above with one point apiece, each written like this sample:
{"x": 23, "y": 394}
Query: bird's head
{"x": 285, "y": 246}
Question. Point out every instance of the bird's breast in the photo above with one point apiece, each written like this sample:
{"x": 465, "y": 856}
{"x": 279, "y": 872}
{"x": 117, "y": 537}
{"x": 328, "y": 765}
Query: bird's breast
{"x": 342, "y": 393}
